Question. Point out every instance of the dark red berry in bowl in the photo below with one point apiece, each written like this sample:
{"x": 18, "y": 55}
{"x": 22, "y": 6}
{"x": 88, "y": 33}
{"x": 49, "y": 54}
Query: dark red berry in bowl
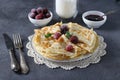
{"x": 33, "y": 10}
{"x": 45, "y": 10}
{"x": 39, "y": 10}
{"x": 64, "y": 29}
{"x": 32, "y": 15}
{"x": 57, "y": 35}
{"x": 69, "y": 48}
{"x": 74, "y": 39}
{"x": 39, "y": 16}
{"x": 47, "y": 15}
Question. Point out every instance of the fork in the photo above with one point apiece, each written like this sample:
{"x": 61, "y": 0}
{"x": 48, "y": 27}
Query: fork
{"x": 18, "y": 45}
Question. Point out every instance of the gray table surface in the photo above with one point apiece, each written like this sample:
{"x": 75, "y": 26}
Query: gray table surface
{"x": 13, "y": 19}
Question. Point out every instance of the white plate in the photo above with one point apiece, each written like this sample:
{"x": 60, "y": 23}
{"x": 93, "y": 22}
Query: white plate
{"x": 68, "y": 64}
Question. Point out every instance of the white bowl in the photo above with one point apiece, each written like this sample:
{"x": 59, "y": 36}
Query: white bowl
{"x": 94, "y": 24}
{"x": 41, "y": 22}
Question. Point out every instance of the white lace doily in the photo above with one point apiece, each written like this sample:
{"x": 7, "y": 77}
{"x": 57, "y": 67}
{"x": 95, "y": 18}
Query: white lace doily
{"x": 83, "y": 63}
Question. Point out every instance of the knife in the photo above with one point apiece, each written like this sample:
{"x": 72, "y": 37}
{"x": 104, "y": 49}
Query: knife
{"x": 9, "y": 44}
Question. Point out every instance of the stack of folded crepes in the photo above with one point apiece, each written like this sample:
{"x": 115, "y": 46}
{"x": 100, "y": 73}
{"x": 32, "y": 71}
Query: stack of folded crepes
{"x": 51, "y": 47}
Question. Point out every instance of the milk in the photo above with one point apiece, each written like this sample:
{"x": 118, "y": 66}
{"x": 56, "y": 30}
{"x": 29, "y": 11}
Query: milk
{"x": 66, "y": 8}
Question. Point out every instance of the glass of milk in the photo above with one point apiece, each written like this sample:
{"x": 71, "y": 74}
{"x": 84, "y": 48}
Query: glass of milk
{"x": 66, "y": 8}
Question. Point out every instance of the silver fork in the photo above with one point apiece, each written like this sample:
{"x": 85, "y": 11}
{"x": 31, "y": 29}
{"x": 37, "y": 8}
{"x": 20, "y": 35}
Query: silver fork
{"x": 18, "y": 45}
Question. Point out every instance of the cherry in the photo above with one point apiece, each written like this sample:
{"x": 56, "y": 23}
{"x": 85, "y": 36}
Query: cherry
{"x": 39, "y": 13}
{"x": 74, "y": 39}
{"x": 40, "y": 16}
{"x": 45, "y": 10}
{"x": 33, "y": 10}
{"x": 64, "y": 29}
{"x": 39, "y": 10}
{"x": 47, "y": 15}
{"x": 57, "y": 35}
{"x": 69, "y": 48}
{"x": 32, "y": 15}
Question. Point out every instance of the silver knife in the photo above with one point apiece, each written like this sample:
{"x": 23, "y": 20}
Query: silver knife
{"x": 9, "y": 44}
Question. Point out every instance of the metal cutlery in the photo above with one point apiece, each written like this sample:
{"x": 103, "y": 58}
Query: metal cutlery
{"x": 108, "y": 13}
{"x": 18, "y": 45}
{"x": 9, "y": 44}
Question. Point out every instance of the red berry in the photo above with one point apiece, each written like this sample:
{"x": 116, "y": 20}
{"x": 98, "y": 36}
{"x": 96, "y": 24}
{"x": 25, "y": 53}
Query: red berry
{"x": 45, "y": 10}
{"x": 39, "y": 10}
{"x": 64, "y": 29}
{"x": 40, "y": 16}
{"x": 73, "y": 39}
{"x": 47, "y": 15}
{"x": 69, "y": 48}
{"x": 57, "y": 35}
{"x": 33, "y": 10}
{"x": 32, "y": 15}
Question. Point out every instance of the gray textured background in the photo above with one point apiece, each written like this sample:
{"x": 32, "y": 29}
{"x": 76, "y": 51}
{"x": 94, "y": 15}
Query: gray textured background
{"x": 13, "y": 19}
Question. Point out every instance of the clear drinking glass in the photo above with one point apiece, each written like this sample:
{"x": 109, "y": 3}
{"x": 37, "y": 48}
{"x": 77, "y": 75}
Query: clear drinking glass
{"x": 66, "y": 8}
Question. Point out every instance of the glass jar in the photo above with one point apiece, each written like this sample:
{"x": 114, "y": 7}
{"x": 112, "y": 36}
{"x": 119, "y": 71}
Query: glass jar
{"x": 66, "y": 8}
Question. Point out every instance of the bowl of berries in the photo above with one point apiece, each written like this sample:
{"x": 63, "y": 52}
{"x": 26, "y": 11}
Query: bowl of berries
{"x": 40, "y": 16}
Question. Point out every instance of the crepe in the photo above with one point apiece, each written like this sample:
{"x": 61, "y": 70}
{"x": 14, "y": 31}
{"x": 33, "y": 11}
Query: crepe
{"x": 56, "y": 48}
